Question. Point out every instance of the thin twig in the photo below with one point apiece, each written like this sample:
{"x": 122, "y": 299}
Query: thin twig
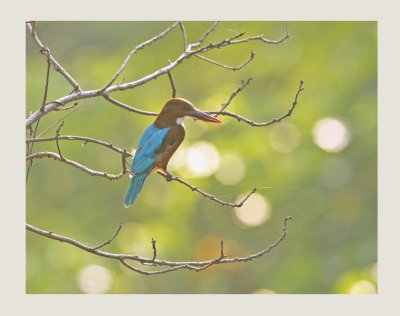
{"x": 263, "y": 124}
{"x": 222, "y": 255}
{"x": 67, "y": 107}
{"x": 171, "y": 80}
{"x": 46, "y": 87}
{"x": 80, "y": 138}
{"x": 131, "y": 267}
{"x": 232, "y": 41}
{"x": 45, "y": 51}
{"x": 242, "y": 85}
{"x": 48, "y": 154}
{"x": 172, "y": 265}
{"x": 127, "y": 107}
{"x": 184, "y": 35}
{"x": 211, "y": 29}
{"x": 58, "y": 121}
{"x": 153, "y": 245}
{"x": 57, "y": 137}
{"x": 109, "y": 240}
{"x": 136, "y": 49}
{"x": 124, "y": 154}
{"x": 234, "y": 68}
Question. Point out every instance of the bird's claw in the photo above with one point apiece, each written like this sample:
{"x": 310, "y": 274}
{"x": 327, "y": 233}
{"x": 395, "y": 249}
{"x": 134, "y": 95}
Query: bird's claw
{"x": 168, "y": 176}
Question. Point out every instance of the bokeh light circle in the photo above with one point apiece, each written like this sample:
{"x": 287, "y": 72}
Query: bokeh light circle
{"x": 231, "y": 169}
{"x": 202, "y": 159}
{"x": 94, "y": 279}
{"x": 331, "y": 135}
{"x": 285, "y": 137}
{"x": 363, "y": 287}
{"x": 254, "y": 212}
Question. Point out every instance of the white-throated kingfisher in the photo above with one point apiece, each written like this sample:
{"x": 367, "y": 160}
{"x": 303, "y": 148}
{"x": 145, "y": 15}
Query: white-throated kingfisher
{"x": 159, "y": 141}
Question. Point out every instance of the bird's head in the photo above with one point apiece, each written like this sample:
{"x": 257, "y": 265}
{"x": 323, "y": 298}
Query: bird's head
{"x": 176, "y": 109}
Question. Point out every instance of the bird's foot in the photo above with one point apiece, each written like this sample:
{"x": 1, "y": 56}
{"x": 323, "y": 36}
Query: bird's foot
{"x": 168, "y": 176}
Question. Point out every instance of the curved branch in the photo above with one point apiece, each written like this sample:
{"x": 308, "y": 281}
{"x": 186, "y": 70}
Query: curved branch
{"x": 205, "y": 35}
{"x": 184, "y": 35}
{"x": 172, "y": 265}
{"x": 263, "y": 124}
{"x": 252, "y": 54}
{"x": 124, "y": 171}
{"x": 136, "y": 49}
{"x": 171, "y": 81}
{"x": 232, "y": 41}
{"x": 48, "y": 154}
{"x": 127, "y": 107}
{"x": 107, "y": 242}
{"x": 79, "y": 138}
{"x": 45, "y": 51}
{"x": 171, "y": 177}
{"x": 242, "y": 85}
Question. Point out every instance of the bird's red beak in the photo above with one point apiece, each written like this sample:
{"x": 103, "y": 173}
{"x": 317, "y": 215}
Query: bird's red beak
{"x": 203, "y": 116}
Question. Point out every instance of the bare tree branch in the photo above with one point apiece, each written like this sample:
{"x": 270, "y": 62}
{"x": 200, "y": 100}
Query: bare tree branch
{"x": 171, "y": 177}
{"x": 45, "y": 51}
{"x": 172, "y": 265}
{"x": 202, "y": 39}
{"x": 79, "y": 138}
{"x": 57, "y": 137}
{"x": 136, "y": 49}
{"x": 46, "y": 87}
{"x": 127, "y": 107}
{"x": 171, "y": 80}
{"x": 273, "y": 121}
{"x": 184, "y": 35}
{"x": 242, "y": 85}
{"x": 252, "y": 54}
{"x": 232, "y": 41}
{"x": 48, "y": 154}
{"x": 153, "y": 245}
{"x": 111, "y": 239}
{"x": 60, "y": 120}
{"x": 67, "y": 107}
{"x": 222, "y": 255}
{"x": 105, "y": 91}
{"x": 86, "y": 169}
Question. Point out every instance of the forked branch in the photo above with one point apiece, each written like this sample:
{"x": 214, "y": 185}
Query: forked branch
{"x": 191, "y": 49}
{"x": 166, "y": 265}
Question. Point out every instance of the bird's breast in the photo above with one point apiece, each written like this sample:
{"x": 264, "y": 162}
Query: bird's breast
{"x": 170, "y": 143}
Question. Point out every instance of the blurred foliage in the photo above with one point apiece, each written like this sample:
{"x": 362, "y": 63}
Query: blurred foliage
{"x": 332, "y": 241}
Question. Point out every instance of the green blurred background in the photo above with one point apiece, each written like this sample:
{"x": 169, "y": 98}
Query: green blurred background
{"x": 319, "y": 165}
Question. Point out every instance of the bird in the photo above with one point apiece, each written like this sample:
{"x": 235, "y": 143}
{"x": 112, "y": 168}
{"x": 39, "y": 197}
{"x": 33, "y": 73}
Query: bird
{"x": 159, "y": 142}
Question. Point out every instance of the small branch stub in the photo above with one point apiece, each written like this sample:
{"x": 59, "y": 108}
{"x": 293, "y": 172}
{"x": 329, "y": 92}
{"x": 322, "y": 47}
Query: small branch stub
{"x": 153, "y": 245}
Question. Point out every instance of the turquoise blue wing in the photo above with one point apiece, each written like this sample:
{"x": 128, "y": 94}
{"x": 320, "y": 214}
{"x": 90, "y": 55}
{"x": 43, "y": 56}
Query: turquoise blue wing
{"x": 146, "y": 152}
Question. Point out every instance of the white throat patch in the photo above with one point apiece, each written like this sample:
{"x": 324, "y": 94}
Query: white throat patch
{"x": 180, "y": 120}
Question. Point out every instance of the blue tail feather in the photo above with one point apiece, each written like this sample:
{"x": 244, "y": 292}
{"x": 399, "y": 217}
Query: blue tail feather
{"x": 134, "y": 188}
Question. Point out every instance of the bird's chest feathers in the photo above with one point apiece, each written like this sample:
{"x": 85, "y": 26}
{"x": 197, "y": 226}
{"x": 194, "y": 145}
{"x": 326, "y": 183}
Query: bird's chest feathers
{"x": 170, "y": 143}
{"x": 175, "y": 135}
